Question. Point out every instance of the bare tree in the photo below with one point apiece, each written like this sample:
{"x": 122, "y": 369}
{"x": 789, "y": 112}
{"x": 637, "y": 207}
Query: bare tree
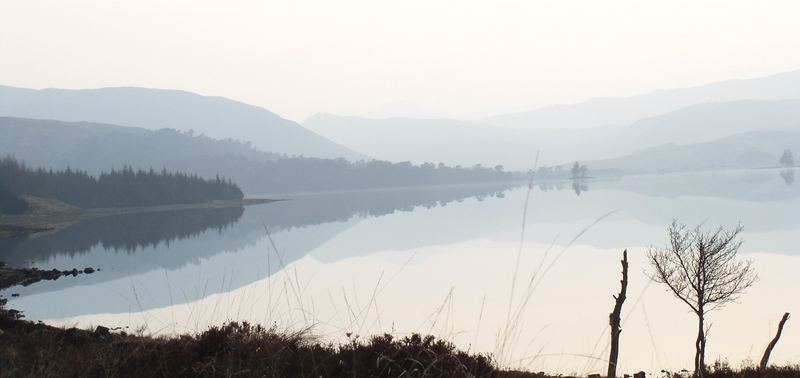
{"x": 700, "y": 268}
{"x": 614, "y": 318}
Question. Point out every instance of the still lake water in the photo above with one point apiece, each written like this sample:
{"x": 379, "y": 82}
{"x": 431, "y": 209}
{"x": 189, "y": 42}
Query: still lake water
{"x": 438, "y": 260}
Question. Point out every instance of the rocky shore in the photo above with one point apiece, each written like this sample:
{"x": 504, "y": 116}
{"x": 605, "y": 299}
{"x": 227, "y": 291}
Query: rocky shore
{"x": 25, "y": 276}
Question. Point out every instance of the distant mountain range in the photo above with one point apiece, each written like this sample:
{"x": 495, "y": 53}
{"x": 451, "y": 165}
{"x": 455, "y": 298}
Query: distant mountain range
{"x": 216, "y": 117}
{"x": 774, "y": 106}
{"x": 466, "y": 143}
{"x": 622, "y": 111}
{"x": 706, "y": 122}
{"x": 756, "y": 149}
{"x": 428, "y": 140}
{"x": 601, "y": 131}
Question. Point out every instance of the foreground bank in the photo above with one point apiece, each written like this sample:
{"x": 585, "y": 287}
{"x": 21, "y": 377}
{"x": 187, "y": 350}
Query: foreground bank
{"x": 30, "y": 349}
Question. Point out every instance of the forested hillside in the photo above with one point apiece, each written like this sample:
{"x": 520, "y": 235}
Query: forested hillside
{"x": 11, "y": 203}
{"x": 117, "y": 188}
{"x": 98, "y": 148}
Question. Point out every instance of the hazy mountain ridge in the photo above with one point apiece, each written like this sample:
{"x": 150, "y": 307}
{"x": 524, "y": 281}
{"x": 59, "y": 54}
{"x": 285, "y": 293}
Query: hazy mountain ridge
{"x": 755, "y": 149}
{"x": 468, "y": 143}
{"x": 217, "y": 117}
{"x": 626, "y": 110}
{"x": 706, "y": 122}
{"x": 424, "y": 140}
{"x": 452, "y": 142}
{"x": 96, "y": 147}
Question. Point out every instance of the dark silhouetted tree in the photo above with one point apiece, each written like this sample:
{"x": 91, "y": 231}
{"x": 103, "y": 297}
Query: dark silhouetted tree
{"x": 700, "y": 268}
{"x": 579, "y": 171}
{"x": 787, "y": 159}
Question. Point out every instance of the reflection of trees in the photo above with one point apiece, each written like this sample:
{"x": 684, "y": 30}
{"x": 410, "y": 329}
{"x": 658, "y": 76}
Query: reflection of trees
{"x": 131, "y": 233}
{"x": 127, "y": 232}
{"x": 788, "y": 176}
{"x": 579, "y": 186}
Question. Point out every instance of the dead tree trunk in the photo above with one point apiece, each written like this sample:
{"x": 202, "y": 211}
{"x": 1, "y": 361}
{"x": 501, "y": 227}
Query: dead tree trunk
{"x": 765, "y": 358}
{"x": 614, "y": 318}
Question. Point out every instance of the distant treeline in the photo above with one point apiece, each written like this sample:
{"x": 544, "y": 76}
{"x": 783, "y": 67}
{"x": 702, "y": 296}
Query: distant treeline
{"x": 306, "y": 174}
{"x": 265, "y": 173}
{"x": 97, "y": 148}
{"x": 118, "y": 188}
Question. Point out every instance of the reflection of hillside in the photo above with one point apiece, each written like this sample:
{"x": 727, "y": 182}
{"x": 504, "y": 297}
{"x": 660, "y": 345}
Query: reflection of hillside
{"x": 764, "y": 185}
{"x": 303, "y": 210}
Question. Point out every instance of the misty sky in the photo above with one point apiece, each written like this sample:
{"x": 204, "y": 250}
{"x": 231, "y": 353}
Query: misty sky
{"x": 455, "y": 58}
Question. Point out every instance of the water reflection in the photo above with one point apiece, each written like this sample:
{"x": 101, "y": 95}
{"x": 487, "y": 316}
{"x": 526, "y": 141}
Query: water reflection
{"x": 788, "y": 176}
{"x": 126, "y": 233}
{"x": 547, "y": 186}
{"x": 129, "y": 245}
{"x": 418, "y": 247}
{"x": 579, "y": 186}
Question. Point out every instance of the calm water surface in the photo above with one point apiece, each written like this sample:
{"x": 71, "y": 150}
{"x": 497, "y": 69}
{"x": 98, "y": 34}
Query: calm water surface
{"x": 441, "y": 261}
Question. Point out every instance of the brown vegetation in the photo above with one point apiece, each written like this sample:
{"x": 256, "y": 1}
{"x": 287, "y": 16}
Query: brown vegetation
{"x": 236, "y": 349}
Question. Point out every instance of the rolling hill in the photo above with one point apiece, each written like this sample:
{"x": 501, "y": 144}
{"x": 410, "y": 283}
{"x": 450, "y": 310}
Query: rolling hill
{"x": 707, "y": 122}
{"x": 757, "y": 149}
{"x": 96, "y": 147}
{"x": 153, "y": 109}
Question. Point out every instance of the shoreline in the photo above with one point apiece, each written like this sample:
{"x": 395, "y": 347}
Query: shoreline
{"x": 50, "y": 215}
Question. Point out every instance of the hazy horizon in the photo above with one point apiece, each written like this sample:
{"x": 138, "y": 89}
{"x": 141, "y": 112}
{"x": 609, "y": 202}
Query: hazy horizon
{"x": 273, "y": 188}
{"x": 465, "y": 60}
